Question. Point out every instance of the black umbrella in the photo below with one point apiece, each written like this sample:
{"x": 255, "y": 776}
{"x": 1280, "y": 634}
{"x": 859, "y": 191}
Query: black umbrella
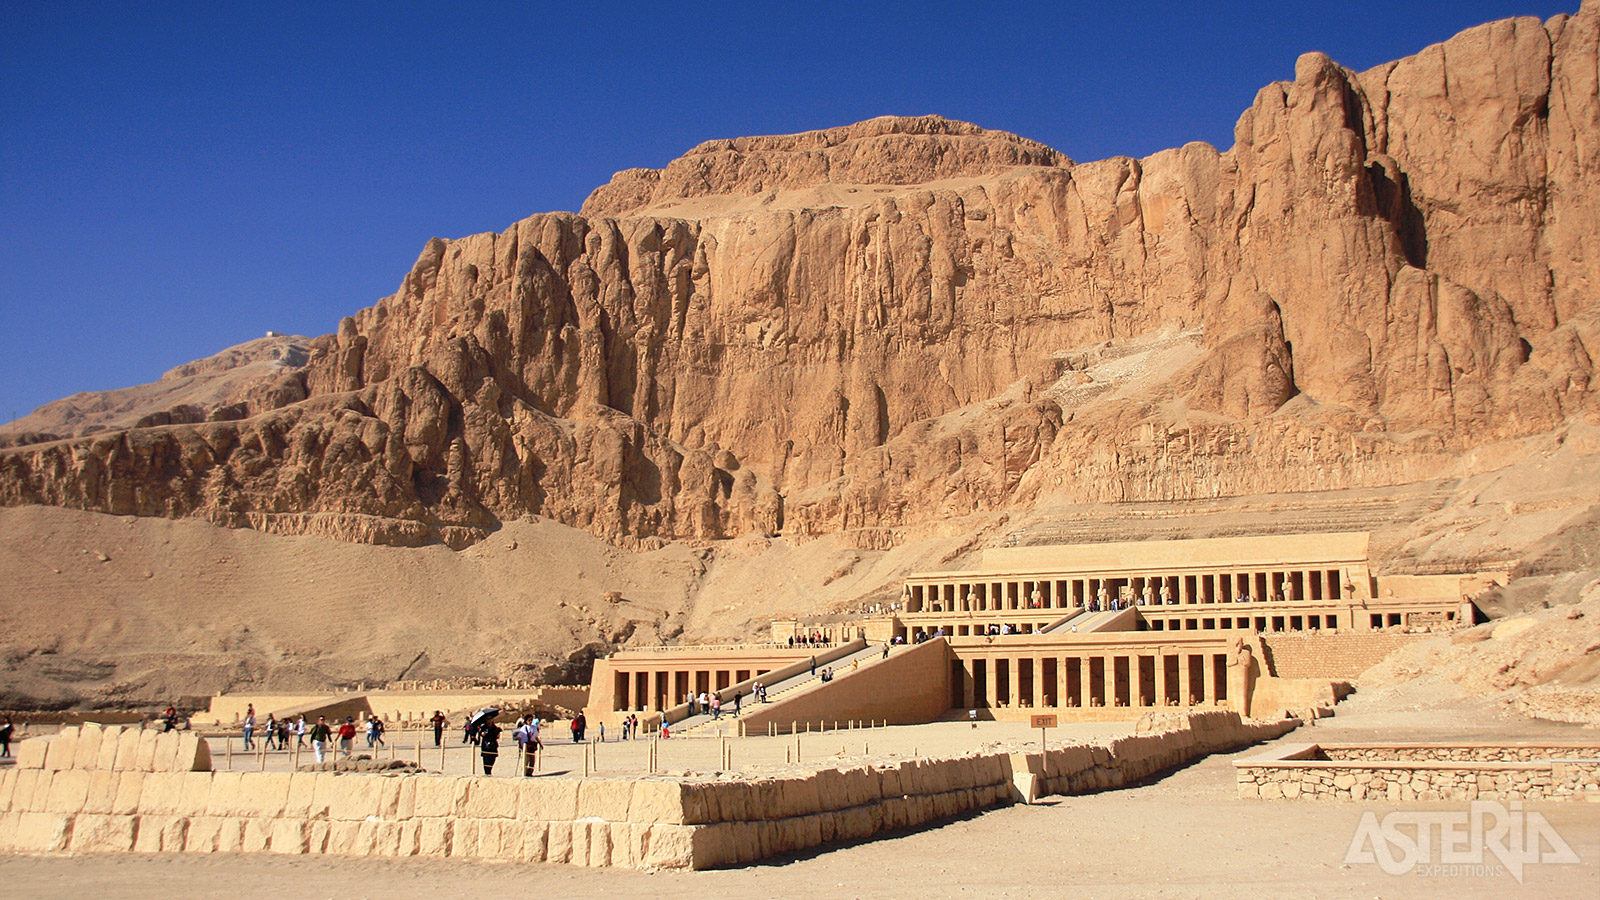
{"x": 481, "y": 716}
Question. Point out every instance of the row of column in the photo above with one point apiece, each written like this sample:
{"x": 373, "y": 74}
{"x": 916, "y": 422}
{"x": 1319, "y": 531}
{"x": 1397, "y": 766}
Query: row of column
{"x": 1132, "y": 679}
{"x": 1213, "y": 587}
{"x": 656, "y": 690}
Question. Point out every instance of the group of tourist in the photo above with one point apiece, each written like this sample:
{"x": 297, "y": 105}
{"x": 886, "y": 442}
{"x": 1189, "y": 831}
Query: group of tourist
{"x": 815, "y": 638}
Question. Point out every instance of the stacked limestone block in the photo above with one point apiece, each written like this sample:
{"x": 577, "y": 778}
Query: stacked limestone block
{"x": 80, "y": 789}
{"x": 1412, "y": 773}
{"x": 168, "y": 801}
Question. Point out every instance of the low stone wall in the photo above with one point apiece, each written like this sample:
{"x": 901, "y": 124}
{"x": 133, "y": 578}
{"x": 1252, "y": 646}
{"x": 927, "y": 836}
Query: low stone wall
{"x": 655, "y": 821}
{"x": 1411, "y": 772}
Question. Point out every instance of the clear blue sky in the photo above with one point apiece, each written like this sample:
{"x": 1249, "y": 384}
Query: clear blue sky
{"x": 178, "y": 177}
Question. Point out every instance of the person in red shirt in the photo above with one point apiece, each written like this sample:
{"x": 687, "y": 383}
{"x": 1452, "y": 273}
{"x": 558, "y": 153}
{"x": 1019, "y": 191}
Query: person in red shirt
{"x": 347, "y": 735}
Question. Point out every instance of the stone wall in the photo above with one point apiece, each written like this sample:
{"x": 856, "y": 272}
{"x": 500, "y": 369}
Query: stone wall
{"x": 654, "y": 821}
{"x": 1411, "y": 772}
{"x": 1322, "y": 654}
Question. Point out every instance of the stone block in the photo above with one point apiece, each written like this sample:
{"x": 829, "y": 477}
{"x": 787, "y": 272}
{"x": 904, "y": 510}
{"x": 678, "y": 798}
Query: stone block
{"x": 87, "y": 752}
{"x": 534, "y": 835}
{"x": 62, "y": 751}
{"x": 257, "y": 835}
{"x": 766, "y": 797}
{"x": 489, "y": 835}
{"x": 156, "y": 834}
{"x": 389, "y": 795}
{"x": 31, "y": 753}
{"x": 491, "y": 798}
{"x": 259, "y": 794}
{"x": 655, "y": 801}
{"x": 604, "y": 798}
{"x": 405, "y": 799}
{"x": 8, "y": 831}
{"x": 164, "y": 757}
{"x": 436, "y": 796}
{"x": 624, "y": 844}
{"x": 160, "y": 794}
{"x": 195, "y": 798}
{"x": 214, "y": 834}
{"x": 558, "y": 842}
{"x": 145, "y": 754}
{"x": 354, "y": 797}
{"x": 599, "y": 844}
{"x": 43, "y": 832}
{"x": 127, "y": 752}
{"x": 386, "y": 838}
{"x": 31, "y": 790}
{"x": 102, "y": 792}
{"x": 192, "y": 754}
{"x": 221, "y": 798}
{"x": 549, "y": 799}
{"x": 433, "y": 837}
{"x": 8, "y": 787}
{"x": 579, "y": 852}
{"x": 345, "y": 838}
{"x": 289, "y": 835}
{"x": 110, "y": 738}
{"x": 891, "y": 783}
{"x": 326, "y": 785}
{"x": 317, "y": 836}
{"x": 409, "y": 829}
{"x": 302, "y": 791}
{"x": 102, "y": 834}
{"x": 69, "y": 790}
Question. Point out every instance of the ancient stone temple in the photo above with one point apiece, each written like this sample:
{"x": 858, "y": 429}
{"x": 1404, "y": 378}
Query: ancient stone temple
{"x": 1091, "y": 631}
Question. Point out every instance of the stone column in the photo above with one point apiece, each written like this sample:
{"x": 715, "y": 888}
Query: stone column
{"x": 968, "y": 686}
{"x": 1183, "y": 679}
{"x": 1038, "y": 682}
{"x": 1161, "y": 676}
{"x": 1062, "y": 683}
{"x": 1014, "y": 687}
{"x": 991, "y": 676}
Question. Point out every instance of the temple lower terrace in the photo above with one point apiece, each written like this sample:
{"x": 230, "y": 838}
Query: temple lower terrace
{"x": 1088, "y": 632}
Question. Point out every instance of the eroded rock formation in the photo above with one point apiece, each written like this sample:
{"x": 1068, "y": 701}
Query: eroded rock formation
{"x": 903, "y": 319}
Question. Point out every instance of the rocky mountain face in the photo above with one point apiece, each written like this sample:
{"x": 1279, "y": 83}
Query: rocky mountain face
{"x": 864, "y": 328}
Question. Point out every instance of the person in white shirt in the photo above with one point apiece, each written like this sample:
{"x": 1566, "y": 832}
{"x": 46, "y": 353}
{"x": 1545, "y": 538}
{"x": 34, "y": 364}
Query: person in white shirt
{"x": 528, "y": 738}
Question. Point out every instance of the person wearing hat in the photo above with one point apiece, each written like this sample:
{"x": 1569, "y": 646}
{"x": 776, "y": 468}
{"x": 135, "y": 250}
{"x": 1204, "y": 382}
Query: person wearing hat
{"x": 347, "y": 735}
{"x": 489, "y": 743}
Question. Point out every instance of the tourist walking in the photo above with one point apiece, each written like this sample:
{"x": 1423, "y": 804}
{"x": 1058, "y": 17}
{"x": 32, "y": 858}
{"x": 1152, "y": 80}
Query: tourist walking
{"x": 249, "y": 725}
{"x": 6, "y": 731}
{"x": 716, "y": 707}
{"x": 320, "y": 735}
{"x": 300, "y": 731}
{"x": 438, "y": 722}
{"x": 489, "y": 744}
{"x": 347, "y": 736}
{"x": 269, "y": 733}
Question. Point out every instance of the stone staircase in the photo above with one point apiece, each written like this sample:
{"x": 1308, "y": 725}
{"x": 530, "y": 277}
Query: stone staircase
{"x": 703, "y": 725}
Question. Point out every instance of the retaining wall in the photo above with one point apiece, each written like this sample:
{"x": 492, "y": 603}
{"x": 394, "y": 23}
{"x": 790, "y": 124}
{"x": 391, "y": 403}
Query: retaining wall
{"x": 655, "y": 821}
{"x": 1411, "y": 772}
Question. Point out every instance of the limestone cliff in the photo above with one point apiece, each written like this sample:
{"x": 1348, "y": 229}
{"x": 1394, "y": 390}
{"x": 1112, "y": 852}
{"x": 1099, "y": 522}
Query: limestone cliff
{"x": 873, "y": 326}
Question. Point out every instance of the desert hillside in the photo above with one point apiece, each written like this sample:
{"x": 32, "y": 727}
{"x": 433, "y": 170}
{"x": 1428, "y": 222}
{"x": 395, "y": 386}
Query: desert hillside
{"x": 777, "y": 374}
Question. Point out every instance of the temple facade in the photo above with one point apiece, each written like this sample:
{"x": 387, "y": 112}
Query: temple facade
{"x": 1097, "y": 631}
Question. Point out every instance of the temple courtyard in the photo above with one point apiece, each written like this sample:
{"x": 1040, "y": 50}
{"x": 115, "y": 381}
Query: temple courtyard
{"x": 1182, "y": 834}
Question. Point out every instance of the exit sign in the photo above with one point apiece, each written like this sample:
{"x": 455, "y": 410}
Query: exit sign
{"x": 1044, "y": 721}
